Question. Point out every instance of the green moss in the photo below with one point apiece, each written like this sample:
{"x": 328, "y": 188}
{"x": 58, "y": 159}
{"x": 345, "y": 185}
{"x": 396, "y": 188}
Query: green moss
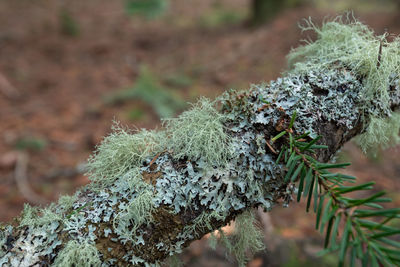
{"x": 121, "y": 151}
{"x": 347, "y": 43}
{"x": 199, "y": 133}
{"x": 83, "y": 254}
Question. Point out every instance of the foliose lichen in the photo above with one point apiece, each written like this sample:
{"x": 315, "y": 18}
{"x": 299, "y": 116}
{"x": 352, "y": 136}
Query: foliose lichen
{"x": 346, "y": 43}
{"x": 208, "y": 190}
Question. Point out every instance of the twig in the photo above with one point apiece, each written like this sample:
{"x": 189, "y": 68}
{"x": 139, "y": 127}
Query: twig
{"x": 7, "y": 89}
{"x": 155, "y": 158}
{"x": 21, "y": 179}
{"x": 378, "y": 64}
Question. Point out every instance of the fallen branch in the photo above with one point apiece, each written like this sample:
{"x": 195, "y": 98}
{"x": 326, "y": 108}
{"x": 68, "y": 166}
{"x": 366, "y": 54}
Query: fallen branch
{"x": 21, "y": 178}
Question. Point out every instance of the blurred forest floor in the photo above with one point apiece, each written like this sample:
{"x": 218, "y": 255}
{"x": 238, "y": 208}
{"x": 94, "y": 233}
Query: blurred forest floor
{"x": 68, "y": 69}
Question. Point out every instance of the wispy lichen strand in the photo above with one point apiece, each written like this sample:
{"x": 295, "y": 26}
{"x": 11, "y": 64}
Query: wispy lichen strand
{"x": 247, "y": 237}
{"x": 74, "y": 253}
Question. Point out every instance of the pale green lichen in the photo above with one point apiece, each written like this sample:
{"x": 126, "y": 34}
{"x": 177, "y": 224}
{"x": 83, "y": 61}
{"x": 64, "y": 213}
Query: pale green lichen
{"x": 34, "y": 216}
{"x": 139, "y": 210}
{"x": 199, "y": 133}
{"x": 347, "y": 43}
{"x": 66, "y": 202}
{"x": 353, "y": 45}
{"x": 213, "y": 240}
{"x": 203, "y": 222}
{"x": 121, "y": 151}
{"x": 83, "y": 254}
{"x": 382, "y": 133}
{"x": 246, "y": 238}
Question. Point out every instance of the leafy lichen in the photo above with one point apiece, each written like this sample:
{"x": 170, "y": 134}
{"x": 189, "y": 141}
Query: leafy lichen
{"x": 5, "y": 231}
{"x": 347, "y": 43}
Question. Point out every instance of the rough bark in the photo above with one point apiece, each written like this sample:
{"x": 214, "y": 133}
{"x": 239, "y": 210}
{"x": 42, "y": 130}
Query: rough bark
{"x": 327, "y": 103}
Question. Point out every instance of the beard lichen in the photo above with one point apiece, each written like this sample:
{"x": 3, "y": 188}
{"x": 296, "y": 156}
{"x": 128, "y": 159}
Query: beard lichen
{"x": 34, "y": 216}
{"x": 347, "y": 43}
{"x": 199, "y": 133}
{"x": 121, "y": 151}
{"x": 84, "y": 254}
{"x": 247, "y": 237}
{"x": 373, "y": 138}
{"x": 138, "y": 212}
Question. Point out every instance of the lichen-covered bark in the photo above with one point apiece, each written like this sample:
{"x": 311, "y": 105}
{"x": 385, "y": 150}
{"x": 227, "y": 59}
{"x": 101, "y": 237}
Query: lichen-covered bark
{"x": 190, "y": 197}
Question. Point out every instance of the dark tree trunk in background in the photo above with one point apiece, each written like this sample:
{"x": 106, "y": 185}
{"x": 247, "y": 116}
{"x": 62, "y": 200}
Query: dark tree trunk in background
{"x": 263, "y": 11}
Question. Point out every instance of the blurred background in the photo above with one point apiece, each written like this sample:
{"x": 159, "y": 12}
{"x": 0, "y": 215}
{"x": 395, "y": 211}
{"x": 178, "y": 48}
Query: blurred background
{"x": 68, "y": 68}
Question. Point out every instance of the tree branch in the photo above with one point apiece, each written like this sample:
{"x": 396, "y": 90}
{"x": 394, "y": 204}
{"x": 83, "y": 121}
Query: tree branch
{"x": 157, "y": 209}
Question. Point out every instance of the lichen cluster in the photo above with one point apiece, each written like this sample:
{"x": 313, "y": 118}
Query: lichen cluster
{"x": 75, "y": 253}
{"x": 346, "y": 43}
{"x": 382, "y": 132}
{"x": 332, "y": 95}
{"x": 121, "y": 151}
{"x": 247, "y": 237}
{"x": 199, "y": 133}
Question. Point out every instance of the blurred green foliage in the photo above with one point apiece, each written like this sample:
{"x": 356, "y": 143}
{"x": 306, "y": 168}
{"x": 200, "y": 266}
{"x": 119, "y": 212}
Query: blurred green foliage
{"x": 147, "y": 8}
{"x": 296, "y": 257}
{"x": 135, "y": 114}
{"x": 178, "y": 80}
{"x": 68, "y": 24}
{"x": 148, "y": 89}
{"x": 30, "y": 143}
{"x": 220, "y": 16}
